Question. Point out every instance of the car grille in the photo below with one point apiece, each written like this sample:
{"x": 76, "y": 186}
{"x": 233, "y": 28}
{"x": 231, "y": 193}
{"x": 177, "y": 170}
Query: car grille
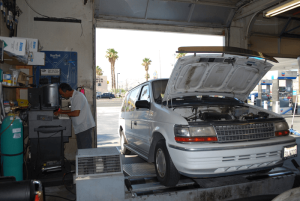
{"x": 256, "y": 131}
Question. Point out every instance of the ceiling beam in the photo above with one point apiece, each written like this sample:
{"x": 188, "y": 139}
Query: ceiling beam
{"x": 162, "y": 22}
{"x": 146, "y": 13}
{"x": 284, "y": 35}
{"x": 112, "y": 24}
{"x": 254, "y": 7}
{"x": 191, "y": 12}
{"x": 229, "y": 18}
{"x": 297, "y": 27}
{"x": 285, "y": 26}
{"x": 287, "y": 35}
{"x": 220, "y": 4}
{"x": 283, "y": 17}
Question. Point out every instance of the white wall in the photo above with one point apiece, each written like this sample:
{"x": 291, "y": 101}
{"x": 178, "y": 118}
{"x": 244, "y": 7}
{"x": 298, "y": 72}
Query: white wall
{"x": 64, "y": 36}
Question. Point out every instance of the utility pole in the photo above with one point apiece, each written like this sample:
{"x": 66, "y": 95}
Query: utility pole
{"x": 118, "y": 81}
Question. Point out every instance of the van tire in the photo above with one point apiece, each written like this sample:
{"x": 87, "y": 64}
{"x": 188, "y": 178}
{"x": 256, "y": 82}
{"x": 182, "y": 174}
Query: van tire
{"x": 123, "y": 141}
{"x": 170, "y": 176}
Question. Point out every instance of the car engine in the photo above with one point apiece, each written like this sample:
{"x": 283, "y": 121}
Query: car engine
{"x": 220, "y": 113}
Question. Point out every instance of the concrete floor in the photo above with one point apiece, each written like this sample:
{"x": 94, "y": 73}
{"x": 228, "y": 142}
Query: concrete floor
{"x": 108, "y": 114}
{"x": 107, "y": 126}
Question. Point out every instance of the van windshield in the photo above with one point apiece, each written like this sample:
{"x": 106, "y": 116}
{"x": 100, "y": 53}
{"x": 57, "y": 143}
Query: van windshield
{"x": 159, "y": 88}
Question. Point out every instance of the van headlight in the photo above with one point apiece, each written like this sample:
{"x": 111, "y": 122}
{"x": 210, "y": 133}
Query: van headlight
{"x": 281, "y": 129}
{"x": 195, "y": 134}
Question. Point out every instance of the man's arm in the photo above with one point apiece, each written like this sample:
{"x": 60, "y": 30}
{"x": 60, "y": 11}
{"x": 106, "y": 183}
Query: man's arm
{"x": 74, "y": 113}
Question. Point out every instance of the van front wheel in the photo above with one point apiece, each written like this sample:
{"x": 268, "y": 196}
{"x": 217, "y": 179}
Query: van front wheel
{"x": 166, "y": 172}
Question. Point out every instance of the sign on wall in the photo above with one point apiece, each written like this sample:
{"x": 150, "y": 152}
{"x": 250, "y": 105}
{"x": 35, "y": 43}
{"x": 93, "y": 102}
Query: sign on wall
{"x": 287, "y": 75}
{"x": 58, "y": 63}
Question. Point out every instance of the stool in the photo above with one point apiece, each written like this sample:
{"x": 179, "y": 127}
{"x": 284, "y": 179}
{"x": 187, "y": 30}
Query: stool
{"x": 52, "y": 129}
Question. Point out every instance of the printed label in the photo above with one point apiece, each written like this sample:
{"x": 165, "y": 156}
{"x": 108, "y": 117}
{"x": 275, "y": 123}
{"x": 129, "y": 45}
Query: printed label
{"x": 21, "y": 46}
{"x": 54, "y": 56}
{"x": 34, "y": 43}
{"x": 16, "y": 130}
{"x": 17, "y": 135}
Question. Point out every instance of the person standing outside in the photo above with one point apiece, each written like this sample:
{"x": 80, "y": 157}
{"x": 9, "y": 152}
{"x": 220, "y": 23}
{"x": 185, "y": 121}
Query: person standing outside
{"x": 81, "y": 116}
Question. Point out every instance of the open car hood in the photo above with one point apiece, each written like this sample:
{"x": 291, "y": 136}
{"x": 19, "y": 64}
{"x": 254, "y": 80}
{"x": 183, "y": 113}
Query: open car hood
{"x": 212, "y": 74}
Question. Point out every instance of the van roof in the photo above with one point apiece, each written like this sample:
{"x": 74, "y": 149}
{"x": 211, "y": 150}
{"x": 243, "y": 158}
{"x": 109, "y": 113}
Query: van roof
{"x": 149, "y": 81}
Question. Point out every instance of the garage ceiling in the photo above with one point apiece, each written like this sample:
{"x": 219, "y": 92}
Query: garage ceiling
{"x": 285, "y": 64}
{"x": 210, "y": 13}
{"x": 240, "y": 21}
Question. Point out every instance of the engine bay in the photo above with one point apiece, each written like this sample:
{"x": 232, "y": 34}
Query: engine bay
{"x": 221, "y": 113}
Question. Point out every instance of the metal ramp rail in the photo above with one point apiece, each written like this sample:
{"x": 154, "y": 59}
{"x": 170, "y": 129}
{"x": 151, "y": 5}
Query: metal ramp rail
{"x": 141, "y": 184}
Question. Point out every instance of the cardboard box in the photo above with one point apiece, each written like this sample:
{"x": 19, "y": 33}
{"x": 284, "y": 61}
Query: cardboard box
{"x": 32, "y": 44}
{"x": 15, "y": 45}
{"x": 36, "y": 58}
{"x": 23, "y": 78}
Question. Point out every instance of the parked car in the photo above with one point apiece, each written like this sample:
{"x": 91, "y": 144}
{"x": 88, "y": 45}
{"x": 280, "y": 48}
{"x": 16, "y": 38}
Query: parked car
{"x": 255, "y": 95}
{"x": 98, "y": 95}
{"x": 106, "y": 95}
{"x": 196, "y": 124}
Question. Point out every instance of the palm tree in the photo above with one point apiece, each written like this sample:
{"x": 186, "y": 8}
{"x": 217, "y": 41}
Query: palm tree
{"x": 147, "y": 76}
{"x": 179, "y": 55}
{"x": 146, "y": 63}
{"x": 99, "y": 71}
{"x": 112, "y": 56}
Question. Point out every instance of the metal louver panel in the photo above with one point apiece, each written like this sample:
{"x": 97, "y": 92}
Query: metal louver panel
{"x": 98, "y": 161}
{"x": 98, "y": 165}
{"x": 257, "y": 131}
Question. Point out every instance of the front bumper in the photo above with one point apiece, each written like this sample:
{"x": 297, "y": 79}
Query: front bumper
{"x": 227, "y": 160}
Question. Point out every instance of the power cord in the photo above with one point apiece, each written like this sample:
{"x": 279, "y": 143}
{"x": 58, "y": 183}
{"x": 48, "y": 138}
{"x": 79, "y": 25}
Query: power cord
{"x": 54, "y": 17}
{"x": 69, "y": 161}
{"x": 63, "y": 180}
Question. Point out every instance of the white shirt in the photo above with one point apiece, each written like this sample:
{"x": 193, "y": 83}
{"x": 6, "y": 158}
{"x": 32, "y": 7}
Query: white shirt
{"x": 85, "y": 119}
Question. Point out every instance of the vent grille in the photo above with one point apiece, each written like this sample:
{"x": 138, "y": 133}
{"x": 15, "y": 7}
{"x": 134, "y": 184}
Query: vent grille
{"x": 98, "y": 165}
{"x": 251, "y": 157}
{"x": 258, "y": 131}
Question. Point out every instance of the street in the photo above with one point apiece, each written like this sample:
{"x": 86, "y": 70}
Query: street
{"x": 107, "y": 122}
{"x": 105, "y": 102}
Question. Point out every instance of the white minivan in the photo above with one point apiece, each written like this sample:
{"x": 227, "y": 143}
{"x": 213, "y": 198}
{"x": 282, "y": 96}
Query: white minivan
{"x": 197, "y": 124}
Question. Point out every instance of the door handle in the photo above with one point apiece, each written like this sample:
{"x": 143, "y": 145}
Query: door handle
{"x": 135, "y": 123}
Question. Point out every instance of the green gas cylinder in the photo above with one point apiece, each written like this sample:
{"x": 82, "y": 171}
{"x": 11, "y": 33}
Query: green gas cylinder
{"x": 12, "y": 146}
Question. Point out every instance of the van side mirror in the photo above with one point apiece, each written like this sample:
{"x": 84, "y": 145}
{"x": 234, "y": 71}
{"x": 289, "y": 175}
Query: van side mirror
{"x": 142, "y": 104}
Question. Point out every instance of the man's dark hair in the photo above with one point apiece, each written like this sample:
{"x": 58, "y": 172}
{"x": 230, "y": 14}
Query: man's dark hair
{"x": 65, "y": 87}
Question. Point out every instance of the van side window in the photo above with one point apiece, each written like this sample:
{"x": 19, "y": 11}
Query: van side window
{"x": 125, "y": 105}
{"x": 145, "y": 95}
{"x": 132, "y": 98}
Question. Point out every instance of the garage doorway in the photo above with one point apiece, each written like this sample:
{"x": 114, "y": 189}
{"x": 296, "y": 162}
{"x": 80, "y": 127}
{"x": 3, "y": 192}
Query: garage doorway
{"x": 132, "y": 48}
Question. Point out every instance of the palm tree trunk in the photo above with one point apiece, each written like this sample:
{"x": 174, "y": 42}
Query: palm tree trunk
{"x": 147, "y": 76}
{"x": 112, "y": 75}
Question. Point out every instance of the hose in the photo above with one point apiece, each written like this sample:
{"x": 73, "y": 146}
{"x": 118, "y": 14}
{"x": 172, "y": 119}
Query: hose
{"x": 8, "y": 126}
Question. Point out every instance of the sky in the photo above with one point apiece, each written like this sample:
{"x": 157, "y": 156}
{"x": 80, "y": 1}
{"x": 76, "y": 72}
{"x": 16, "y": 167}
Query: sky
{"x": 133, "y": 46}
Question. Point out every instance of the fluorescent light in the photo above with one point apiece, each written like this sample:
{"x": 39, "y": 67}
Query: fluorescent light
{"x": 281, "y": 8}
